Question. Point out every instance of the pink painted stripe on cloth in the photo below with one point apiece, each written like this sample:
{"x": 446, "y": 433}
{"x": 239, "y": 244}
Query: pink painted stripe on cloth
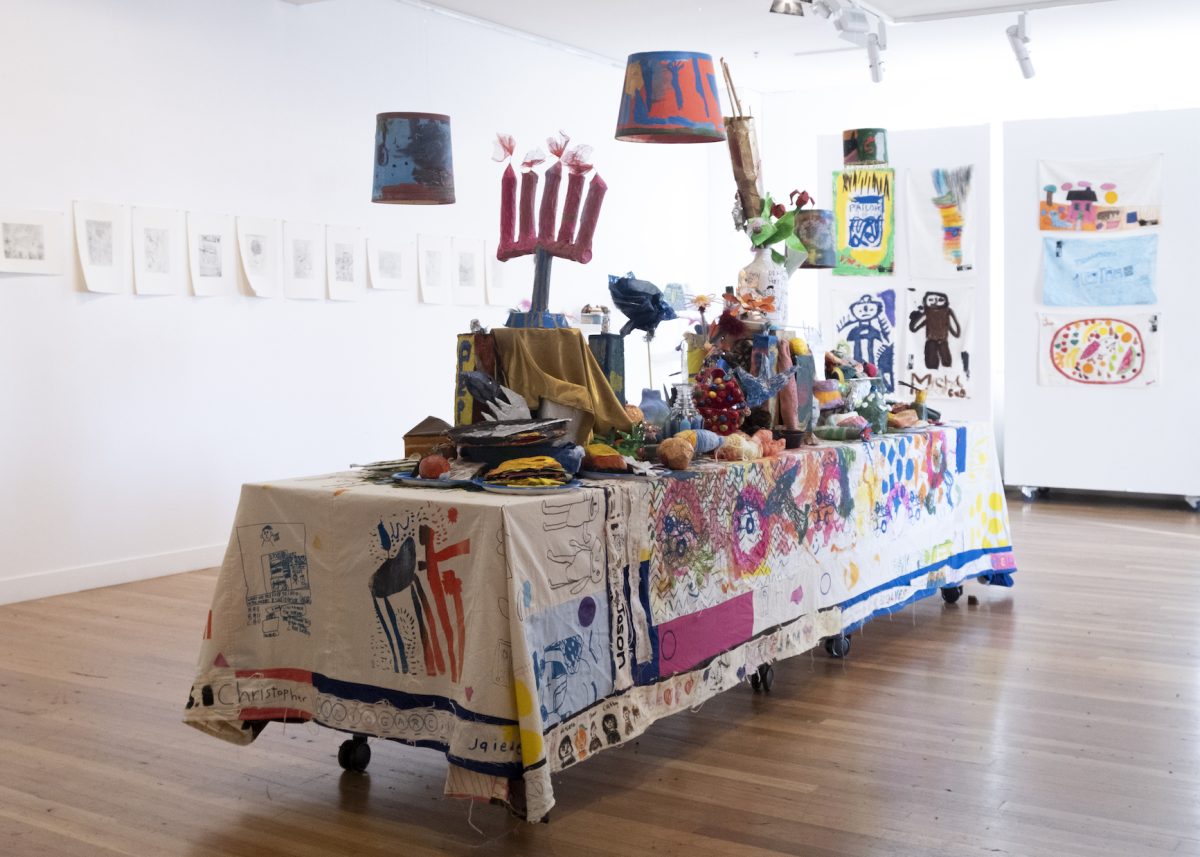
{"x": 690, "y": 640}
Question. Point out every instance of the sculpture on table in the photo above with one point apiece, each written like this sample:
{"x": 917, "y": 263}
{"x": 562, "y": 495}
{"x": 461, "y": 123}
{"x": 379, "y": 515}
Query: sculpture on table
{"x": 569, "y": 238}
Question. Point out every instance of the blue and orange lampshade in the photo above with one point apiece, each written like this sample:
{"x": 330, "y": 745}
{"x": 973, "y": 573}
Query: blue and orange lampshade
{"x": 413, "y": 161}
{"x": 670, "y": 97}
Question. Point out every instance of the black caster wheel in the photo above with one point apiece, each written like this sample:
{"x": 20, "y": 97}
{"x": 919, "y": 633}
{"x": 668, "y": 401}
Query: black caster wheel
{"x": 354, "y": 754}
{"x": 765, "y": 676}
{"x": 950, "y": 594}
{"x": 755, "y": 682}
{"x": 838, "y": 647}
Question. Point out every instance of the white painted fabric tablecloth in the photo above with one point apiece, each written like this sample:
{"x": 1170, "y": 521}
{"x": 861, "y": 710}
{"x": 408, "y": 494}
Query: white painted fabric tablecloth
{"x": 522, "y": 635}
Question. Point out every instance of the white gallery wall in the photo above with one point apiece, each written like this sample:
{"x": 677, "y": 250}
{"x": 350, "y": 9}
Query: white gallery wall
{"x": 1065, "y": 435}
{"x": 1101, "y": 59}
{"x": 127, "y": 424}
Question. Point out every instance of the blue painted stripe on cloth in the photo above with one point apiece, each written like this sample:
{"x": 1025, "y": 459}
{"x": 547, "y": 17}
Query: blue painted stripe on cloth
{"x": 960, "y": 449}
{"x": 894, "y": 608}
{"x": 957, "y": 561}
{"x": 371, "y": 694}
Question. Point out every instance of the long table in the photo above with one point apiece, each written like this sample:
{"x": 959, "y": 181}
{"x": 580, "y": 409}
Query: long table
{"x": 521, "y": 635}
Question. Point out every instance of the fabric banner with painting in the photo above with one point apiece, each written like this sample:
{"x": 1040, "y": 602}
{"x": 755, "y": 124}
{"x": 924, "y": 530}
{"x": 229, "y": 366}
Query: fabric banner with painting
{"x": 864, "y": 214}
{"x": 940, "y": 341}
{"x": 940, "y": 209}
{"x": 865, "y": 319}
{"x": 1099, "y": 271}
{"x": 1100, "y": 196}
{"x": 1119, "y": 348}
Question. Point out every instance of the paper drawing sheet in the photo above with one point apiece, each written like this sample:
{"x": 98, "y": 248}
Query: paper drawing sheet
{"x": 32, "y": 242}
{"x": 159, "y": 251}
{"x": 1114, "y": 348}
{"x": 1100, "y": 196}
{"x": 501, "y": 278}
{"x": 260, "y": 248}
{"x": 866, "y": 320}
{"x": 437, "y": 268}
{"x": 1099, "y": 272}
{"x": 102, "y": 236}
{"x": 940, "y": 210}
{"x": 940, "y": 340}
{"x": 346, "y": 263}
{"x": 211, "y": 256}
{"x": 865, "y": 221}
{"x": 469, "y": 271}
{"x": 393, "y": 264}
{"x": 303, "y": 260}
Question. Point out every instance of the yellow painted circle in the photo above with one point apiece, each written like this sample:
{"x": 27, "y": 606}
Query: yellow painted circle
{"x": 1110, "y": 197}
{"x": 996, "y": 502}
{"x": 994, "y": 526}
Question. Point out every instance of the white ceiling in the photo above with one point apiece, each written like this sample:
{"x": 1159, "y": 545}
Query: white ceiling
{"x": 935, "y": 10}
{"x": 762, "y": 48}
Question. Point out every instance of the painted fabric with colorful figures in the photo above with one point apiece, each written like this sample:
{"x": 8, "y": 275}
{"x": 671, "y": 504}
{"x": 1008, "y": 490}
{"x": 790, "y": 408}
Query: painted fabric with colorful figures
{"x": 1100, "y": 196}
{"x": 522, "y": 635}
{"x": 1118, "y": 348}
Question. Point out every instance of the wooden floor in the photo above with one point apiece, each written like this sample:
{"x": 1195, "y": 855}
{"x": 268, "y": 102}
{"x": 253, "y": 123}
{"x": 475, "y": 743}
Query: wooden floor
{"x": 1057, "y": 718}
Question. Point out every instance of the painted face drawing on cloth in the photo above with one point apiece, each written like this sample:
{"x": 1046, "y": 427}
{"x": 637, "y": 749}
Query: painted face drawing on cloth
{"x": 612, "y": 732}
{"x": 566, "y": 756}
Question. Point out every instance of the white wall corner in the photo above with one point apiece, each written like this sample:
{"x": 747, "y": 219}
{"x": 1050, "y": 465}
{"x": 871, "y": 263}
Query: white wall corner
{"x": 65, "y": 580}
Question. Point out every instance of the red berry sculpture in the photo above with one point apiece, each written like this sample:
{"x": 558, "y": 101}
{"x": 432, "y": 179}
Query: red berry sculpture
{"x": 720, "y": 401}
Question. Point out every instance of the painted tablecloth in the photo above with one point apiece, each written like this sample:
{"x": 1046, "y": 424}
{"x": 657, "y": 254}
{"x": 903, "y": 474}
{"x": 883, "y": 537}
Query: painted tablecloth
{"x": 522, "y": 635}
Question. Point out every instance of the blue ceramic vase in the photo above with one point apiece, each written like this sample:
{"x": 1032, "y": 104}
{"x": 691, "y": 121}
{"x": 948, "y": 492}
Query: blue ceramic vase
{"x": 655, "y": 409}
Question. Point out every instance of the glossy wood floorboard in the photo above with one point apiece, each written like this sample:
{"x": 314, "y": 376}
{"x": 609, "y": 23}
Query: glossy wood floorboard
{"x": 1056, "y": 718}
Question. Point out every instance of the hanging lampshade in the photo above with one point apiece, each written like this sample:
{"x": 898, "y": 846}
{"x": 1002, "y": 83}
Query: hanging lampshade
{"x": 670, "y": 97}
{"x": 413, "y": 162}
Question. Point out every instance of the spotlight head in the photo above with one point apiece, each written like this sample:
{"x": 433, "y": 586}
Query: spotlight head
{"x": 851, "y": 19}
{"x": 1018, "y": 38}
{"x": 825, "y": 8}
{"x": 789, "y": 7}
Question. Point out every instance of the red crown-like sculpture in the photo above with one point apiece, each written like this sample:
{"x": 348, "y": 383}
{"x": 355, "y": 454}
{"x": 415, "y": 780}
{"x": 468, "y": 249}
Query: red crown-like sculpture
{"x": 566, "y": 243}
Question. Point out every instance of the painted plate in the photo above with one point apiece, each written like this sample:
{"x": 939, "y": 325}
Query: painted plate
{"x": 417, "y": 482}
{"x": 528, "y": 490}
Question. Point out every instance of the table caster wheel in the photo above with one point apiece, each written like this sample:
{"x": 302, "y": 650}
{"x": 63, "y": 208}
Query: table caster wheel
{"x": 1030, "y": 492}
{"x": 765, "y": 676}
{"x": 755, "y": 682}
{"x": 838, "y": 647}
{"x": 950, "y": 594}
{"x": 354, "y": 754}
{"x": 1193, "y": 502}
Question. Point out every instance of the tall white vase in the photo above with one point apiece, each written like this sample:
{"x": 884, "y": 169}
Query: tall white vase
{"x": 765, "y": 277}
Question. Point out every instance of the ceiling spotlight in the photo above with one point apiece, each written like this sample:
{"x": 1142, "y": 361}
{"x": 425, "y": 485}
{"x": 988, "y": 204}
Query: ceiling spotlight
{"x": 1018, "y": 37}
{"x": 825, "y": 8}
{"x": 789, "y": 7}
{"x": 873, "y": 48}
{"x": 851, "y": 19}
{"x": 852, "y": 23}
